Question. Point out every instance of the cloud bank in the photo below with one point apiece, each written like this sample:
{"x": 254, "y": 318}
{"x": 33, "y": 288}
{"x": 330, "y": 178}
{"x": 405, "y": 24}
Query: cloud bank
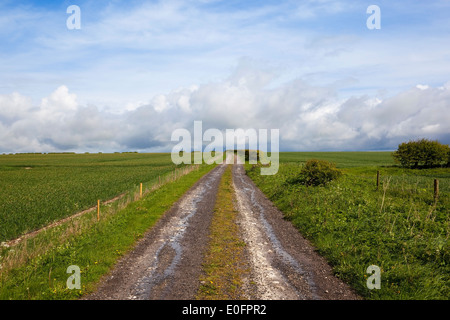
{"x": 309, "y": 117}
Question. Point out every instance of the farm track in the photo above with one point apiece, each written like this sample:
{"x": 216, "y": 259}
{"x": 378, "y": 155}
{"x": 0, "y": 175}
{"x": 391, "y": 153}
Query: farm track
{"x": 167, "y": 263}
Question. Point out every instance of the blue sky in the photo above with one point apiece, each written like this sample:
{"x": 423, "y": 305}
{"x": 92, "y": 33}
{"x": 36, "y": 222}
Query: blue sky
{"x": 179, "y": 61}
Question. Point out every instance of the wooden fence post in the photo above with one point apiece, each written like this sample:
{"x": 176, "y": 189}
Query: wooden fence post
{"x": 140, "y": 190}
{"x": 98, "y": 210}
{"x": 436, "y": 189}
{"x": 378, "y": 179}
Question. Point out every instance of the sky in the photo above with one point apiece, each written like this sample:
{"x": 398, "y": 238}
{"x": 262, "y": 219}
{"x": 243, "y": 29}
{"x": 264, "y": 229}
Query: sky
{"x": 135, "y": 71}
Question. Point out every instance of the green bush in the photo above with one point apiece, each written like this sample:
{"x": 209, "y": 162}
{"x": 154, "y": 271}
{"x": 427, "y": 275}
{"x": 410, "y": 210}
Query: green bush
{"x": 422, "y": 153}
{"x": 317, "y": 172}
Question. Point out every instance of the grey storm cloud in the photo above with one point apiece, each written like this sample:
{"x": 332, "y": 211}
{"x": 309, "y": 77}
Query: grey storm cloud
{"x": 308, "y": 117}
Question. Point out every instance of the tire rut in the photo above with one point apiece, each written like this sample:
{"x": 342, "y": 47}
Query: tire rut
{"x": 285, "y": 265}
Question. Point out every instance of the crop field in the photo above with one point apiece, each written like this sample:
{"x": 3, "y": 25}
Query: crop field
{"x": 37, "y": 189}
{"x": 400, "y": 227}
{"x": 36, "y": 268}
{"x": 341, "y": 159}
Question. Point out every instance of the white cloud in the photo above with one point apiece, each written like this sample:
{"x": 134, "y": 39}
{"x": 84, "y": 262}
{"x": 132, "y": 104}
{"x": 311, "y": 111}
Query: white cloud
{"x": 422, "y": 87}
{"x": 309, "y": 117}
{"x": 160, "y": 103}
{"x": 60, "y": 101}
{"x": 13, "y": 107}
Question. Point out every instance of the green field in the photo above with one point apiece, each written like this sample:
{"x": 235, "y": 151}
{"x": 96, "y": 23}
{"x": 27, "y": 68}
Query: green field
{"x": 36, "y": 268}
{"x": 399, "y": 227}
{"x": 341, "y": 159}
{"x": 37, "y": 189}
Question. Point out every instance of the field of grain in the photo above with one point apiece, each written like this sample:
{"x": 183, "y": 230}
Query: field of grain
{"x": 341, "y": 159}
{"x": 37, "y": 189}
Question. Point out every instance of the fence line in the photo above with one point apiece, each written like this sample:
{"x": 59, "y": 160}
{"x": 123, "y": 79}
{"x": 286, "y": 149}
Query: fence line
{"x": 436, "y": 186}
{"x": 170, "y": 177}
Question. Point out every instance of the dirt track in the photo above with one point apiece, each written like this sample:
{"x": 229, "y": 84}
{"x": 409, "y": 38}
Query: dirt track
{"x": 167, "y": 262}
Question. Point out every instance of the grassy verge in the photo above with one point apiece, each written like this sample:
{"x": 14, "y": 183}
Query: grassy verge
{"x": 94, "y": 251}
{"x": 398, "y": 227}
{"x": 223, "y": 265}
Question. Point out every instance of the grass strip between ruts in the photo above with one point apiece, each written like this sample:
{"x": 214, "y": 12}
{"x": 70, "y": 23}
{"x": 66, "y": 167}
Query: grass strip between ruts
{"x": 224, "y": 267}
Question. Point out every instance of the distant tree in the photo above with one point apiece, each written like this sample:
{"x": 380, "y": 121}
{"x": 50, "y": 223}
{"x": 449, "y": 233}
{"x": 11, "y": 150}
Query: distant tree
{"x": 421, "y": 153}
